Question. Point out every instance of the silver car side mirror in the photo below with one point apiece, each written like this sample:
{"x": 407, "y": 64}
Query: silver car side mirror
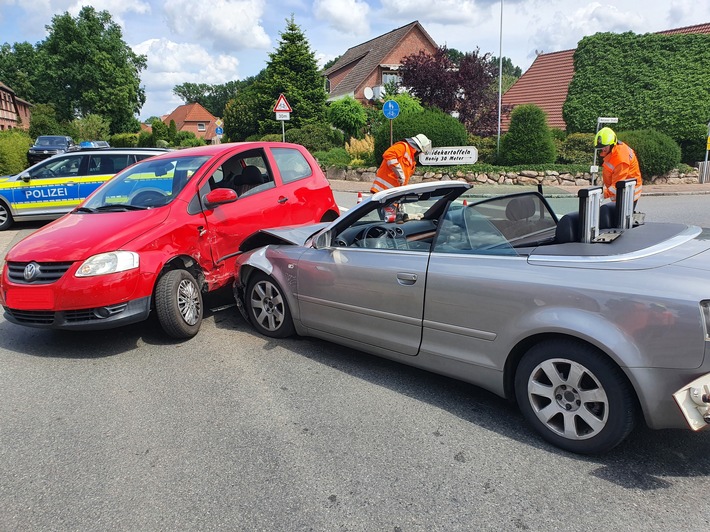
{"x": 323, "y": 240}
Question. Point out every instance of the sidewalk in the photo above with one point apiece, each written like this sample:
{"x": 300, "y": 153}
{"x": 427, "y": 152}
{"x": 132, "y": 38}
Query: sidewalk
{"x": 648, "y": 190}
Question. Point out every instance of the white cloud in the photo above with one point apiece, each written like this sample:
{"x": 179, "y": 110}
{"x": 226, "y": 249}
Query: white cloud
{"x": 117, "y": 9}
{"x": 436, "y": 11}
{"x": 349, "y": 16}
{"x": 171, "y": 64}
{"x": 228, "y": 24}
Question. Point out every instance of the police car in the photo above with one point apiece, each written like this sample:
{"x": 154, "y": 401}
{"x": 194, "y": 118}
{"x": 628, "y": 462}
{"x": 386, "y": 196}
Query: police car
{"x": 56, "y": 185}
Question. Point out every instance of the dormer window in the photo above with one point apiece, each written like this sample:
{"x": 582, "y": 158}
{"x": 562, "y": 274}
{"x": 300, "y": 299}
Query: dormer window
{"x": 201, "y": 126}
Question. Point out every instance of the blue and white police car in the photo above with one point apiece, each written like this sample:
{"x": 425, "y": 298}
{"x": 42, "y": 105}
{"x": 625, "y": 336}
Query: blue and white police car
{"x": 56, "y": 185}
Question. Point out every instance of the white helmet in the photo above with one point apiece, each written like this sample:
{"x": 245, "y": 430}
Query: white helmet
{"x": 420, "y": 142}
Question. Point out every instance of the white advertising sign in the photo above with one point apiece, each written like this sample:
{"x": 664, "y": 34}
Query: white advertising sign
{"x": 449, "y": 155}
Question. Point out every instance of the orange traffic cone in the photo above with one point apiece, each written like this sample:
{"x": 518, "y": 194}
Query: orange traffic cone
{"x": 359, "y": 197}
{"x": 465, "y": 202}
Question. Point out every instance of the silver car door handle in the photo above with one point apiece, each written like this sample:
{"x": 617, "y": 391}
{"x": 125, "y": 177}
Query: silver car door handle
{"x": 282, "y": 199}
{"x": 406, "y": 278}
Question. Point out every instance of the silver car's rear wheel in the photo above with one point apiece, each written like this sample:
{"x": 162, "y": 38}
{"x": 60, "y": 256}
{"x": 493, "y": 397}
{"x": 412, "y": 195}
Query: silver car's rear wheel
{"x": 267, "y": 307}
{"x": 574, "y": 396}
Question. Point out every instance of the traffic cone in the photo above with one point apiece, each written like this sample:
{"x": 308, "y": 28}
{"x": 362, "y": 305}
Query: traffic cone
{"x": 465, "y": 203}
{"x": 359, "y": 197}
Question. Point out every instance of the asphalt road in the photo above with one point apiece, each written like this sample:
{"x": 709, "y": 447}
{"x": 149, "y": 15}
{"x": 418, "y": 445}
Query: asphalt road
{"x": 125, "y": 430}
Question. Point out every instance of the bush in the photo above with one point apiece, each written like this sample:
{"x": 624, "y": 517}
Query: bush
{"x": 316, "y": 137}
{"x": 124, "y": 140}
{"x": 577, "y": 148}
{"x": 145, "y": 140}
{"x": 332, "y": 157}
{"x": 272, "y": 137}
{"x": 657, "y": 152}
{"x": 14, "y": 144}
{"x": 487, "y": 148}
{"x": 190, "y": 142}
{"x": 161, "y": 143}
{"x": 348, "y": 115}
{"x": 361, "y": 150}
{"x": 528, "y": 140}
{"x": 441, "y": 128}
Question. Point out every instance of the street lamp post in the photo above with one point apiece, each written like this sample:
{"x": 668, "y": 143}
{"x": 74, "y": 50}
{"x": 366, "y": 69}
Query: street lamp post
{"x": 500, "y": 76}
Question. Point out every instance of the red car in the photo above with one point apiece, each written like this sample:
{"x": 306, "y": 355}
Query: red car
{"x": 158, "y": 235}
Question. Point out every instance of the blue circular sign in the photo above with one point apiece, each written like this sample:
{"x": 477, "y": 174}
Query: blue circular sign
{"x": 218, "y": 130}
{"x": 390, "y": 109}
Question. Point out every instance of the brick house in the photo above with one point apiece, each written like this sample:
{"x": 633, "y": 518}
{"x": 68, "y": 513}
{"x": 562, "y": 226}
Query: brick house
{"x": 375, "y": 62}
{"x": 14, "y": 112}
{"x": 547, "y": 80}
{"x": 194, "y": 118}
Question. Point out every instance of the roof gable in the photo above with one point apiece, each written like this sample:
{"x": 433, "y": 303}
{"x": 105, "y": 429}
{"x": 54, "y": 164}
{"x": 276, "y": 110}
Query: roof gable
{"x": 364, "y": 58}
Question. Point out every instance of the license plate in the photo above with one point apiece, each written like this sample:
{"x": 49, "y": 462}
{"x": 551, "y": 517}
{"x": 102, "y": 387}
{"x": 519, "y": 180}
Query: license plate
{"x": 690, "y": 401}
{"x": 35, "y": 298}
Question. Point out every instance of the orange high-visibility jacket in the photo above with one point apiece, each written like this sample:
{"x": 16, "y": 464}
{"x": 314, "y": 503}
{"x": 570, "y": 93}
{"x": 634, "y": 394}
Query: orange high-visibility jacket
{"x": 621, "y": 163}
{"x": 398, "y": 163}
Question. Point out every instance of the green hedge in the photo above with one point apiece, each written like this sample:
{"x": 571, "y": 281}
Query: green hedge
{"x": 14, "y": 144}
{"x": 657, "y": 153}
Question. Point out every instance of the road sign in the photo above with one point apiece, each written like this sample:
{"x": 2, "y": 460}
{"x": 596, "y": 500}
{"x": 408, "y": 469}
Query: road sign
{"x": 218, "y": 131}
{"x": 218, "y": 122}
{"x": 449, "y": 155}
{"x": 283, "y": 116}
{"x": 282, "y": 105}
{"x": 390, "y": 109}
{"x": 607, "y": 120}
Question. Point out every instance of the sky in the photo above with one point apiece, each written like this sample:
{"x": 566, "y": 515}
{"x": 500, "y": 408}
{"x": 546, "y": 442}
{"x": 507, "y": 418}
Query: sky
{"x": 224, "y": 40}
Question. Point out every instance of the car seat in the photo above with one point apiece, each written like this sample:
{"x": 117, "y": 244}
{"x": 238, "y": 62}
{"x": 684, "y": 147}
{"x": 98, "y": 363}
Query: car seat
{"x": 248, "y": 179}
{"x": 567, "y": 229}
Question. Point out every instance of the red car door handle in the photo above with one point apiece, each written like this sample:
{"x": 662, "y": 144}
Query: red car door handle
{"x": 283, "y": 199}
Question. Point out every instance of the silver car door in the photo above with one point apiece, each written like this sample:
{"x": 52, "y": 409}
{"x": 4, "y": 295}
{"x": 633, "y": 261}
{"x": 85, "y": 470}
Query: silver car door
{"x": 373, "y": 296}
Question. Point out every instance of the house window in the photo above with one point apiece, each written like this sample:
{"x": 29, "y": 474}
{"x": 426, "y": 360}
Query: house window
{"x": 201, "y": 126}
{"x": 389, "y": 77}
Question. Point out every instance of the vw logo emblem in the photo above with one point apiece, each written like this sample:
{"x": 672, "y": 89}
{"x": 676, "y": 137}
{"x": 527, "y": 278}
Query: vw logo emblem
{"x": 31, "y": 271}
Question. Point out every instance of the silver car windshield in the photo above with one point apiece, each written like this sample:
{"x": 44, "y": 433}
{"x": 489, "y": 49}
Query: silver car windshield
{"x": 150, "y": 183}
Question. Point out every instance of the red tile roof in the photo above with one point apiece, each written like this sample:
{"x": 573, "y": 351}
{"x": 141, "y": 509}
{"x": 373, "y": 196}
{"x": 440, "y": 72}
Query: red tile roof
{"x": 545, "y": 84}
{"x": 547, "y": 80}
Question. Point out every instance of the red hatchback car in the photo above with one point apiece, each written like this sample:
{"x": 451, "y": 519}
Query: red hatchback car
{"x": 158, "y": 235}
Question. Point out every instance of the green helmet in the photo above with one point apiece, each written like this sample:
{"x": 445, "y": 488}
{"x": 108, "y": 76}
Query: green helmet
{"x": 605, "y": 137}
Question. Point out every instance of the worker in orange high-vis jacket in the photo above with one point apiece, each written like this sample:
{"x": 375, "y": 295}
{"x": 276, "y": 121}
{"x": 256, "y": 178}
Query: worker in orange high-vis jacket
{"x": 620, "y": 162}
{"x": 399, "y": 162}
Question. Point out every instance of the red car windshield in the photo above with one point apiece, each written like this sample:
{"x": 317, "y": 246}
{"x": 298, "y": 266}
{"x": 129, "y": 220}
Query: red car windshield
{"x": 150, "y": 183}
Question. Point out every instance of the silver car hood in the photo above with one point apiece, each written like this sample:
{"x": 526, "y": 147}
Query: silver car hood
{"x": 296, "y": 235}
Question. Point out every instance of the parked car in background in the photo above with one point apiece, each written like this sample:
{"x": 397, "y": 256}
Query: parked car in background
{"x": 56, "y": 185}
{"x": 158, "y": 235}
{"x": 587, "y": 335}
{"x": 47, "y": 145}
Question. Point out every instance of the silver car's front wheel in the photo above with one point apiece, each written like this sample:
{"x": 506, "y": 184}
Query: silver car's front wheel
{"x": 574, "y": 396}
{"x": 267, "y": 307}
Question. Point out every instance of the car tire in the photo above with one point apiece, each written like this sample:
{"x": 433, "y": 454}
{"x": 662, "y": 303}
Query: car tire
{"x": 178, "y": 304}
{"x": 267, "y": 307}
{"x": 5, "y": 217}
{"x": 575, "y": 397}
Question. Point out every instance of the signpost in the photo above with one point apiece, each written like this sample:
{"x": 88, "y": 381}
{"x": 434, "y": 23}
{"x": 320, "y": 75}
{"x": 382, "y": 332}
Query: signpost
{"x": 283, "y": 112}
{"x": 600, "y": 120}
{"x": 391, "y": 110}
{"x": 219, "y": 131}
{"x": 704, "y": 174}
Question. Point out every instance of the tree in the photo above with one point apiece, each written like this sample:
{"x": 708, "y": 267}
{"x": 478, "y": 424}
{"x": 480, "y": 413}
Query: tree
{"x": 431, "y": 78}
{"x": 84, "y": 67}
{"x": 214, "y": 98}
{"x": 43, "y": 121}
{"x": 466, "y": 89}
{"x": 348, "y": 115}
{"x": 292, "y": 70}
{"x": 529, "y": 140}
{"x": 18, "y": 66}
{"x": 242, "y": 114}
{"x": 90, "y": 127}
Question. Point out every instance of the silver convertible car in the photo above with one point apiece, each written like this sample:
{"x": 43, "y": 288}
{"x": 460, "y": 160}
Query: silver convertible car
{"x": 590, "y": 322}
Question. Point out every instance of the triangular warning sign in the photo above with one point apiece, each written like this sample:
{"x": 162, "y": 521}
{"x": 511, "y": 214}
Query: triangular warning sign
{"x": 282, "y": 105}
